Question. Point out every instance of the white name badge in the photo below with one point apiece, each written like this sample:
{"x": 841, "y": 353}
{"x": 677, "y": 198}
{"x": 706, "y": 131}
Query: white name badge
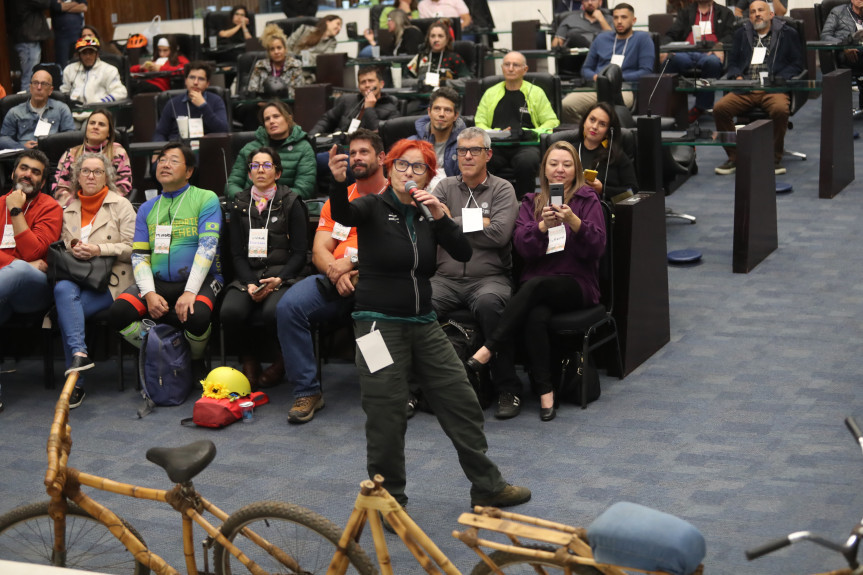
{"x": 163, "y": 240}
{"x": 706, "y": 27}
{"x": 556, "y": 239}
{"x": 374, "y": 351}
{"x": 432, "y": 79}
{"x": 471, "y": 220}
{"x": 355, "y": 123}
{"x": 43, "y": 128}
{"x": 8, "y": 237}
{"x": 617, "y": 59}
{"x": 183, "y": 126}
{"x": 196, "y": 127}
{"x": 349, "y": 252}
{"x": 258, "y": 243}
{"x": 696, "y": 33}
{"x": 759, "y": 53}
{"x": 340, "y": 232}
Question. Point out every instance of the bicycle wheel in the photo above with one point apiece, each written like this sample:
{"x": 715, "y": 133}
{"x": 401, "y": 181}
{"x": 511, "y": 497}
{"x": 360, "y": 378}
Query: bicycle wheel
{"x": 513, "y": 564}
{"x": 27, "y": 535}
{"x": 307, "y": 537}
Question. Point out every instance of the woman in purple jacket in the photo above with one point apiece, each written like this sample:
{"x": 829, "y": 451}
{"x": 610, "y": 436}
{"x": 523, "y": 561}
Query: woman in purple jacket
{"x": 561, "y": 244}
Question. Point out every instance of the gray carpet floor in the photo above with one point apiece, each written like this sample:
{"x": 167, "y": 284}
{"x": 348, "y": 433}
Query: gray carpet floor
{"x": 735, "y": 425}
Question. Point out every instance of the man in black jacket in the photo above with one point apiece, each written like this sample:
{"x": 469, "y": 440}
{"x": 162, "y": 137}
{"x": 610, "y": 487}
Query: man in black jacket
{"x": 364, "y": 110}
{"x": 717, "y": 25}
{"x": 29, "y": 27}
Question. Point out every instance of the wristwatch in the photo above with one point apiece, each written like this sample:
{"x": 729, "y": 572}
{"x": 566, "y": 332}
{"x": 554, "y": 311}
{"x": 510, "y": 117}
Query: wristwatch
{"x": 355, "y": 260}
{"x": 15, "y": 211}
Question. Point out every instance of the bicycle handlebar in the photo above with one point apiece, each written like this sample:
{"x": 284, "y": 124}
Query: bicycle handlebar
{"x": 767, "y": 548}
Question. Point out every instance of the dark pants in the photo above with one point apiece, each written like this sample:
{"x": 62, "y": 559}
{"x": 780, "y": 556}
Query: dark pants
{"x": 529, "y": 311}
{"x": 520, "y": 161}
{"x": 239, "y": 310}
{"x": 777, "y": 106}
{"x": 424, "y": 350}
{"x": 130, "y": 307}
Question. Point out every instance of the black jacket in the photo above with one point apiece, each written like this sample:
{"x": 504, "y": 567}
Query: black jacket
{"x": 348, "y": 107}
{"x": 395, "y": 261}
{"x": 722, "y": 17}
{"x": 294, "y": 8}
{"x": 785, "y": 57}
{"x": 287, "y": 237}
{"x": 27, "y": 20}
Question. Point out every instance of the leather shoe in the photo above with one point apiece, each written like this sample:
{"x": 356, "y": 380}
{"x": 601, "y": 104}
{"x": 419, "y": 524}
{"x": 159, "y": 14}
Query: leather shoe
{"x": 79, "y": 363}
{"x": 474, "y": 365}
{"x": 273, "y": 375}
{"x": 547, "y": 413}
{"x": 252, "y": 370}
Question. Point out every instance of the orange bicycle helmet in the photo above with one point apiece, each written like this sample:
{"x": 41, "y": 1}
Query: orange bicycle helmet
{"x": 136, "y": 41}
{"x": 87, "y": 43}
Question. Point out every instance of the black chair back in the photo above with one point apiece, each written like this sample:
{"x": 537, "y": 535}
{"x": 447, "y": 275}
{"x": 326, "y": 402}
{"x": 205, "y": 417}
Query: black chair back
{"x": 54, "y": 146}
{"x": 375, "y": 17}
{"x": 245, "y": 63}
{"x": 827, "y": 58}
{"x": 121, "y": 63}
{"x": 549, "y": 84}
{"x": 396, "y": 129}
{"x": 425, "y": 23}
{"x": 469, "y": 53}
{"x": 214, "y": 22}
{"x": 238, "y": 140}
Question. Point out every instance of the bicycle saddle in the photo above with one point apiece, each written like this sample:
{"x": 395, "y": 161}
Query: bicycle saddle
{"x": 185, "y": 462}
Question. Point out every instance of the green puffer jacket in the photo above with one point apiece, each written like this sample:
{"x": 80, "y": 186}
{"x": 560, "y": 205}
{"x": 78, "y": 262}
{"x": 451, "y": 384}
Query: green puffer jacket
{"x": 299, "y": 170}
{"x": 541, "y": 112}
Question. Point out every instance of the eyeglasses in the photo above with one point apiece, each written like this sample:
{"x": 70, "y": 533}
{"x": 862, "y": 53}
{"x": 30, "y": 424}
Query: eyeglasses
{"x": 41, "y": 84}
{"x": 163, "y": 161}
{"x": 418, "y": 168}
{"x": 88, "y": 172}
{"x": 255, "y": 166}
{"x": 474, "y": 151}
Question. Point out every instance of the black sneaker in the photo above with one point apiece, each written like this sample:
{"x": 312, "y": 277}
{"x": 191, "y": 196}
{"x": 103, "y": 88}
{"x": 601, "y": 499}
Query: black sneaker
{"x": 79, "y": 363}
{"x": 386, "y": 523}
{"x": 78, "y": 395}
{"x": 413, "y": 402}
{"x": 508, "y": 406}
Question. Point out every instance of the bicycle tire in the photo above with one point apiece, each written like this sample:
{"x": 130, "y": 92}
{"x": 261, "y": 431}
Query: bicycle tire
{"x": 515, "y": 564}
{"x": 27, "y": 536}
{"x": 309, "y": 538}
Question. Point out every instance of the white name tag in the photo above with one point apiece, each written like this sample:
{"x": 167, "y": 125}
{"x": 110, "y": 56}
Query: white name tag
{"x": 340, "y": 232}
{"x": 432, "y": 79}
{"x": 617, "y": 59}
{"x": 183, "y": 126}
{"x": 374, "y": 351}
{"x": 258, "y": 243}
{"x": 556, "y": 239}
{"x": 163, "y": 240}
{"x": 471, "y": 219}
{"x": 706, "y": 27}
{"x": 8, "y": 237}
{"x": 759, "y": 53}
{"x": 196, "y": 127}
{"x": 355, "y": 123}
{"x": 696, "y": 33}
{"x": 43, "y": 128}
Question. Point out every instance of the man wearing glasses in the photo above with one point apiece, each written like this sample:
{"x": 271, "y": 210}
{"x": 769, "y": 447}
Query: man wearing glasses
{"x": 485, "y": 208}
{"x": 580, "y": 27}
{"x": 174, "y": 257}
{"x": 523, "y": 109}
{"x": 200, "y": 111}
{"x": 37, "y": 117}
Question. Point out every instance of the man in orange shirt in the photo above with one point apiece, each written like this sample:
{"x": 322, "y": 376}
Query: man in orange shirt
{"x": 328, "y": 295}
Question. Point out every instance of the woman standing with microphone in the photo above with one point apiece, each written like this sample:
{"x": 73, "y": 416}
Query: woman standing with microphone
{"x": 397, "y": 330}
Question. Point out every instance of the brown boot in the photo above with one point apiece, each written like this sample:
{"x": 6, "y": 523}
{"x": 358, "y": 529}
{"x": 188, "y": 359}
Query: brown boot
{"x": 252, "y": 370}
{"x": 273, "y": 375}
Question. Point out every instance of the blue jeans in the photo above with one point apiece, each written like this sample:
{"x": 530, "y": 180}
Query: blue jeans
{"x": 23, "y": 289}
{"x": 30, "y": 53}
{"x": 74, "y": 305}
{"x": 710, "y": 67}
{"x": 303, "y": 304}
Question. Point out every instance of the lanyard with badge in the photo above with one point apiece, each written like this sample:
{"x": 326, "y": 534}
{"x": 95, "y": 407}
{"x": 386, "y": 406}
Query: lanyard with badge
{"x": 43, "y": 127}
{"x": 258, "y": 237}
{"x": 759, "y": 54}
{"x": 617, "y": 59}
{"x": 471, "y": 218}
{"x": 706, "y": 24}
{"x": 433, "y": 78}
{"x": 8, "y": 241}
{"x": 163, "y": 232}
{"x": 341, "y": 232}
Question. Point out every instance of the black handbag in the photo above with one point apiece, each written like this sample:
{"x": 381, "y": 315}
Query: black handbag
{"x": 94, "y": 274}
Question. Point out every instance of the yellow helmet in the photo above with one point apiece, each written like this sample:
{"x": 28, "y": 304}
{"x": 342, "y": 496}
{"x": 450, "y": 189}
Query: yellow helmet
{"x": 224, "y": 382}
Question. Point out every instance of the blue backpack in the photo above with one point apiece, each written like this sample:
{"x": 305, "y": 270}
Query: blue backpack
{"x": 164, "y": 368}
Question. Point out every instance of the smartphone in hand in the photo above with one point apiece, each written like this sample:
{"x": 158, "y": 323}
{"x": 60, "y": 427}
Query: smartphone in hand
{"x": 556, "y": 193}
{"x": 590, "y": 175}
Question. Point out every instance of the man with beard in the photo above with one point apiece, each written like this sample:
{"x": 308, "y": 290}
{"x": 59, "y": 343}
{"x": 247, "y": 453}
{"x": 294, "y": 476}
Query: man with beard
{"x": 38, "y": 116}
{"x": 632, "y": 51}
{"x": 31, "y": 222}
{"x": 763, "y": 47}
{"x": 579, "y": 29}
{"x": 91, "y": 80}
{"x": 440, "y": 128}
{"x": 328, "y": 295}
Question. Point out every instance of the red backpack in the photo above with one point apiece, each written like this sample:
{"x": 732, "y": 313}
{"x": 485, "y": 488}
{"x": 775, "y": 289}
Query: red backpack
{"x": 210, "y": 412}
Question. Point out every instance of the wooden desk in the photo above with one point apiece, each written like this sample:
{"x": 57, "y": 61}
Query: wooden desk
{"x": 755, "y": 228}
{"x": 836, "y": 167}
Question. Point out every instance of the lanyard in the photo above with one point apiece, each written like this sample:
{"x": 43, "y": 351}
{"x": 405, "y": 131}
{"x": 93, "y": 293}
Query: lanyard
{"x": 159, "y": 203}
{"x": 701, "y": 16}
{"x": 269, "y": 211}
{"x": 6, "y": 215}
{"x": 614, "y": 48}
{"x": 470, "y": 191}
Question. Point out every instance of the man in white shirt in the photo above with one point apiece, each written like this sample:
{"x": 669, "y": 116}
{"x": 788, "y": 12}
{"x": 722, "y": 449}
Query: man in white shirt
{"x": 445, "y": 9}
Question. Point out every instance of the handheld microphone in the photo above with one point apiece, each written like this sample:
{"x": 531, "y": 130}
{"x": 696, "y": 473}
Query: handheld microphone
{"x": 410, "y": 186}
{"x": 655, "y": 86}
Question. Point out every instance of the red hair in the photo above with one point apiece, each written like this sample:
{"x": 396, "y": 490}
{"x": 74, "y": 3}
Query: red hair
{"x": 402, "y": 146}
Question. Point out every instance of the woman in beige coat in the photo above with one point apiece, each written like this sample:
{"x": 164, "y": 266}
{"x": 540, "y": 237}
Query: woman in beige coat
{"x": 98, "y": 222}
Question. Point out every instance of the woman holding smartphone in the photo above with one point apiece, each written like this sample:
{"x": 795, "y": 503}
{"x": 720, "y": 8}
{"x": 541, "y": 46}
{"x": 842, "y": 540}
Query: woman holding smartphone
{"x": 561, "y": 244}
{"x": 601, "y": 151}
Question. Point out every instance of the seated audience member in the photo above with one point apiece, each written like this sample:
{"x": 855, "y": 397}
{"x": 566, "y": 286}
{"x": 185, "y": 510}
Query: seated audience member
{"x": 317, "y": 39}
{"x": 602, "y": 152}
{"x": 842, "y": 24}
{"x": 717, "y": 25}
{"x": 409, "y": 7}
{"x": 363, "y": 110}
{"x": 280, "y": 73}
{"x": 90, "y": 31}
{"x": 397, "y": 23}
{"x": 39, "y": 116}
{"x": 33, "y": 222}
{"x": 168, "y": 59}
{"x": 67, "y": 20}
{"x": 98, "y": 139}
{"x": 777, "y": 7}
{"x": 580, "y": 27}
{"x": 90, "y": 80}
{"x": 445, "y": 9}
{"x": 178, "y": 277}
{"x": 197, "y": 105}
{"x": 279, "y": 132}
{"x": 566, "y": 279}
{"x": 523, "y": 109}
{"x": 441, "y": 128}
{"x": 269, "y": 241}
{"x": 783, "y": 57}
{"x": 329, "y": 295}
{"x": 438, "y": 62}
{"x": 483, "y": 285}
{"x": 98, "y": 222}
{"x": 613, "y": 48}
{"x": 238, "y": 31}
